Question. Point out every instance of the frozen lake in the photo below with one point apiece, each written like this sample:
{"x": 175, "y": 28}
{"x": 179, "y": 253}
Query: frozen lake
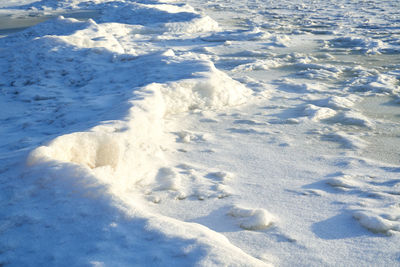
{"x": 210, "y": 133}
{"x": 18, "y": 21}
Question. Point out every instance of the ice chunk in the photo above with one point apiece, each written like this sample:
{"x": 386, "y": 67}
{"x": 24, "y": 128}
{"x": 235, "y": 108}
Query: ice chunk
{"x": 316, "y": 113}
{"x": 167, "y": 179}
{"x": 252, "y": 219}
{"x": 85, "y": 148}
{"x": 365, "y": 44}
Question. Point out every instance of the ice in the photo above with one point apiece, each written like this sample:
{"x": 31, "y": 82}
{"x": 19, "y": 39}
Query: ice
{"x": 258, "y": 65}
{"x": 381, "y": 83}
{"x": 7, "y": 3}
{"x": 199, "y": 133}
{"x": 366, "y": 45}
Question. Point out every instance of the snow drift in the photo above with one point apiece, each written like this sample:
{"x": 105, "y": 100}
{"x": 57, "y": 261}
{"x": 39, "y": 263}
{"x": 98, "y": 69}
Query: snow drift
{"x": 110, "y": 95}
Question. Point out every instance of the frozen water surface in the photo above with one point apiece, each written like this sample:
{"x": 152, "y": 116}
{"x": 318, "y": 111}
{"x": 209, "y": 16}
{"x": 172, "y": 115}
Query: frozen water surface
{"x": 11, "y": 22}
{"x": 210, "y": 133}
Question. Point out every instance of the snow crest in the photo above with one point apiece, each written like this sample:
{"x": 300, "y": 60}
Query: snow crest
{"x": 111, "y": 95}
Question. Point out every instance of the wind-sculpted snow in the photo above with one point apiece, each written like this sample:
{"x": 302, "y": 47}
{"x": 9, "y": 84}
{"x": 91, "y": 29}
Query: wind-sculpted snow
{"x": 199, "y": 133}
{"x": 91, "y": 79}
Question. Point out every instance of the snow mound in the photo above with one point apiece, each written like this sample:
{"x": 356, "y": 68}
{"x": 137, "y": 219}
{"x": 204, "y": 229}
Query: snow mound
{"x": 101, "y": 70}
{"x": 316, "y": 113}
{"x": 338, "y": 102}
{"x": 265, "y": 64}
{"x": 122, "y": 150}
{"x": 197, "y": 25}
{"x": 217, "y": 247}
{"x": 94, "y": 37}
{"x": 379, "y": 83}
{"x": 344, "y": 181}
{"x": 221, "y": 176}
{"x": 347, "y": 140}
{"x": 252, "y": 219}
{"x": 355, "y": 118}
{"x": 167, "y": 179}
{"x": 214, "y": 90}
{"x": 365, "y": 44}
{"x": 318, "y": 71}
{"x": 91, "y": 149}
{"x": 162, "y": 18}
{"x": 385, "y": 221}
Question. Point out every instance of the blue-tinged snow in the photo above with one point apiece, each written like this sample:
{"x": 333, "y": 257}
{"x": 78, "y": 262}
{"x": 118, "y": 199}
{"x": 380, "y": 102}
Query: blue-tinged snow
{"x": 210, "y": 133}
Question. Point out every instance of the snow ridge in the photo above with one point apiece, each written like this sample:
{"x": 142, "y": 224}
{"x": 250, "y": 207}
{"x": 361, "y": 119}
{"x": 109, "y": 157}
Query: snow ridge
{"x": 124, "y": 90}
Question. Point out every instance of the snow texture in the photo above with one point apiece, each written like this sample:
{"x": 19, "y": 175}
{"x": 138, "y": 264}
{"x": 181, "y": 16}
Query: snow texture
{"x": 199, "y": 133}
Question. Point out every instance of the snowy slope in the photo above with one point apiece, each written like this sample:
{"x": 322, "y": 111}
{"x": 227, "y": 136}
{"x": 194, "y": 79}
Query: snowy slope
{"x": 221, "y": 133}
{"x": 107, "y": 99}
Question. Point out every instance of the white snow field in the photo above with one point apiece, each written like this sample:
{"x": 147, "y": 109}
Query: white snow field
{"x": 200, "y": 133}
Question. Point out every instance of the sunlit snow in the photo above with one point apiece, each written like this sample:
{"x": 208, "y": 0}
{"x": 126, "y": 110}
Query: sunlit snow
{"x": 207, "y": 133}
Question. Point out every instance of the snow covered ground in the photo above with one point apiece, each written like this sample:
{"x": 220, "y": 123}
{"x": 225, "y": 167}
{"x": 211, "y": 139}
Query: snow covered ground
{"x": 210, "y": 133}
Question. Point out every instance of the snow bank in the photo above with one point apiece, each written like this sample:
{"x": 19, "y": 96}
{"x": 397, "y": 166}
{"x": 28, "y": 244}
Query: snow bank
{"x": 112, "y": 95}
{"x": 101, "y": 106}
{"x": 127, "y": 152}
{"x": 91, "y": 61}
{"x": 77, "y": 220}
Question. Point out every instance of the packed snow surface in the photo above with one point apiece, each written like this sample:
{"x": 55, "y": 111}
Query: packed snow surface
{"x": 209, "y": 133}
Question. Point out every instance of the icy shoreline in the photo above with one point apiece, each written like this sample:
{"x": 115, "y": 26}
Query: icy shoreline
{"x": 102, "y": 166}
{"x": 155, "y": 135}
{"x": 12, "y": 21}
